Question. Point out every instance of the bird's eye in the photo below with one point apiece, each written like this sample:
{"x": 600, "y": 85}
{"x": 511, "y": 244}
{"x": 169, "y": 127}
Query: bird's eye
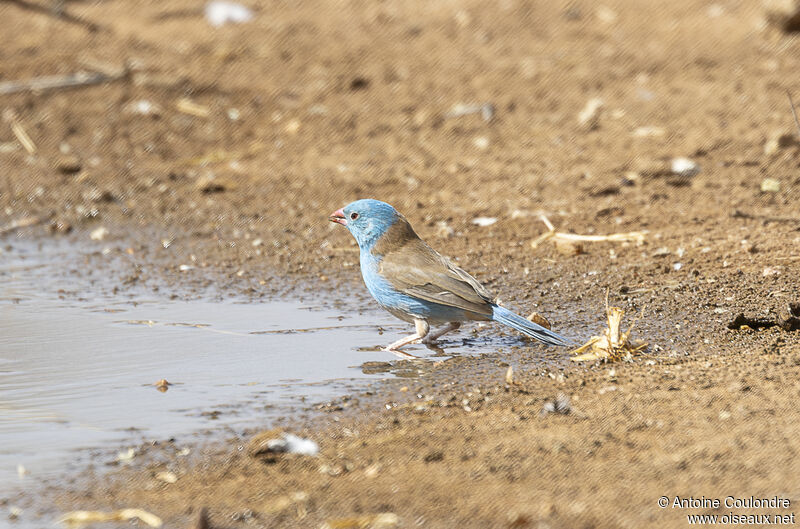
{"x": 353, "y": 216}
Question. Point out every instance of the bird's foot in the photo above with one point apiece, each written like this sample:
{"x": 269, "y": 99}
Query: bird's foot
{"x": 434, "y": 337}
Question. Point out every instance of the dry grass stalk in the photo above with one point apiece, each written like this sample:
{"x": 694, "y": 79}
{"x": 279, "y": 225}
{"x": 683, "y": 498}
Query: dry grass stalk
{"x": 221, "y": 155}
{"x": 24, "y": 222}
{"x": 79, "y": 518}
{"x": 613, "y": 345}
{"x": 794, "y": 112}
{"x": 23, "y": 137}
{"x": 56, "y": 82}
{"x": 551, "y": 233}
{"x": 187, "y": 106}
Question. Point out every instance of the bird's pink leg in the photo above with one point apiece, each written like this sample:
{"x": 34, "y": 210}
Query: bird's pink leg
{"x": 452, "y": 326}
{"x": 422, "y": 331}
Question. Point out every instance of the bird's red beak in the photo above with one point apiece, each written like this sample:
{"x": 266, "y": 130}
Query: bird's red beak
{"x": 338, "y": 217}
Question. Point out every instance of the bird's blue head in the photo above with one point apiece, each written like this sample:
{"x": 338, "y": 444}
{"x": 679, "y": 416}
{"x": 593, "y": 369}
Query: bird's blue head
{"x": 367, "y": 220}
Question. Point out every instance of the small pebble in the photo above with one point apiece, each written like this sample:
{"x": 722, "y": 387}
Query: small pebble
{"x": 770, "y": 185}
{"x": 98, "y": 234}
{"x": 589, "y": 117}
{"x": 484, "y": 221}
{"x": 684, "y": 167}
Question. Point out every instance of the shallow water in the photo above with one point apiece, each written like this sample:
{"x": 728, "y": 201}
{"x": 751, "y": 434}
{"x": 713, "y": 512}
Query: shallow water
{"x": 78, "y": 374}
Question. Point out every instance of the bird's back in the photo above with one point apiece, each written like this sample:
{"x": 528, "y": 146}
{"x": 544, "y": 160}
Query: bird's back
{"x": 415, "y": 269}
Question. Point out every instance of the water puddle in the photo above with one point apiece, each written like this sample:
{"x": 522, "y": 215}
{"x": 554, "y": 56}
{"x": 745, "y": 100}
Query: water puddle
{"x": 78, "y": 374}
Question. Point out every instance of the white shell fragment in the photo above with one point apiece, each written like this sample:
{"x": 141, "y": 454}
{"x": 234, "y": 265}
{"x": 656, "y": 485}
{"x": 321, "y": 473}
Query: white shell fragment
{"x": 684, "y": 167}
{"x": 167, "y": 477}
{"x": 98, "y": 234}
{"x": 292, "y": 444}
{"x": 484, "y": 221}
{"x": 126, "y": 456}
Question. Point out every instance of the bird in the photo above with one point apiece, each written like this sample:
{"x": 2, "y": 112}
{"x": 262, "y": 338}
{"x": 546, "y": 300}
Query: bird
{"x": 413, "y": 282}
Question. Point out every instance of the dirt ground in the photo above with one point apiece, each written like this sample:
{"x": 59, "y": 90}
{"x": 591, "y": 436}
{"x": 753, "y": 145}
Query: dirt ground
{"x": 225, "y": 149}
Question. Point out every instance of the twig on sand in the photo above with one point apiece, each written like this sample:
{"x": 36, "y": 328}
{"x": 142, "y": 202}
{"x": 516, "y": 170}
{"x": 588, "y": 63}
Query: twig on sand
{"x": 794, "y": 112}
{"x": 551, "y": 233}
{"x": 19, "y": 131}
{"x": 24, "y": 222}
{"x": 55, "y": 82}
{"x": 57, "y": 11}
{"x": 737, "y": 214}
{"x": 486, "y": 110}
{"x": 79, "y": 518}
{"x": 22, "y": 136}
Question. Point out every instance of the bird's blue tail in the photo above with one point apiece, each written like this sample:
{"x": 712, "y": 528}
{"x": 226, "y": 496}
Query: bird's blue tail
{"x": 526, "y": 327}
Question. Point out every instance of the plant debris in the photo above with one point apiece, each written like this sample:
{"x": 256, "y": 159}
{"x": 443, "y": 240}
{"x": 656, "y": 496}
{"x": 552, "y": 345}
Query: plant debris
{"x": 742, "y": 321}
{"x": 79, "y": 518}
{"x": 613, "y": 345}
{"x": 24, "y": 222}
{"x": 790, "y": 323}
{"x": 561, "y": 237}
{"x": 538, "y": 319}
{"x": 589, "y": 117}
{"x": 486, "y": 110}
{"x": 383, "y": 520}
{"x": 187, "y": 106}
{"x": 56, "y": 82}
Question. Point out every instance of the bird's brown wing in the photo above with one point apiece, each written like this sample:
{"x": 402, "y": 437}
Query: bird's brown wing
{"x": 418, "y": 270}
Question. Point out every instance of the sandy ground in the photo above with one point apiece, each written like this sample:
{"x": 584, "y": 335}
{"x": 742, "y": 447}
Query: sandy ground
{"x": 225, "y": 150}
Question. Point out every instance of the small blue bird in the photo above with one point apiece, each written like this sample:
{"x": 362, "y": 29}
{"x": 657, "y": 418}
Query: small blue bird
{"x": 413, "y": 282}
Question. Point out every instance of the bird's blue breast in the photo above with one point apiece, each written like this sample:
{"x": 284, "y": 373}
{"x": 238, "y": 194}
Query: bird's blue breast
{"x": 402, "y": 305}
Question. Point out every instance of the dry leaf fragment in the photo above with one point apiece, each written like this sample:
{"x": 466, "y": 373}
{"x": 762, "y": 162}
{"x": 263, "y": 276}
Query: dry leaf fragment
{"x": 538, "y": 319}
{"x": 589, "y": 117}
{"x": 613, "y": 345}
{"x": 283, "y": 502}
{"x": 79, "y": 518}
{"x": 510, "y": 376}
